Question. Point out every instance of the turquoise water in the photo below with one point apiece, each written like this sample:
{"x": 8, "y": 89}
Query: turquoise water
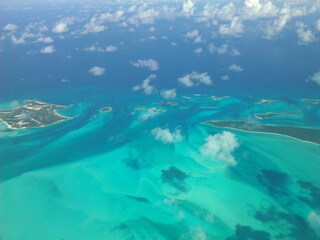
{"x": 105, "y": 176}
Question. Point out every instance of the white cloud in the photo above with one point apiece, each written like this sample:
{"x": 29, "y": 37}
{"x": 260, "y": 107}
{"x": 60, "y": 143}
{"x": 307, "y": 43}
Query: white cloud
{"x": 314, "y": 222}
{"x": 188, "y": 7}
{"x": 164, "y": 135}
{"x": 225, "y": 77}
{"x": 235, "y": 28}
{"x": 305, "y": 35}
{"x": 235, "y": 68}
{"x": 194, "y": 34}
{"x": 94, "y": 48}
{"x": 151, "y": 64}
{"x": 45, "y": 39}
{"x": 220, "y": 147}
{"x": 48, "y": 50}
{"x": 195, "y": 78}
{"x": 315, "y": 77}
{"x": 112, "y": 17}
{"x": 97, "y": 71}
{"x": 150, "y": 113}
{"x": 146, "y": 86}
{"x": 63, "y": 25}
{"x": 317, "y": 24}
{"x": 198, "y": 50}
{"x": 94, "y": 26}
{"x": 277, "y": 26}
{"x": 227, "y": 12}
{"x": 259, "y": 9}
{"x": 220, "y": 50}
{"x": 111, "y": 48}
{"x": 168, "y": 93}
{"x": 223, "y": 49}
{"x": 17, "y": 41}
{"x": 10, "y": 27}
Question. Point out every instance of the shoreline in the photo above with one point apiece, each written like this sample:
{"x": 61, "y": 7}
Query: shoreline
{"x": 211, "y": 123}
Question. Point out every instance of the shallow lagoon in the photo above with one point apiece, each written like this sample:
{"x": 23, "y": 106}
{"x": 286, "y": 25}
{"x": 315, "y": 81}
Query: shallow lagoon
{"x": 104, "y": 176}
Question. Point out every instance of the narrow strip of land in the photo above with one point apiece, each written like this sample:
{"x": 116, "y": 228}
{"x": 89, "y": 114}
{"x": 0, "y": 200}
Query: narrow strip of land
{"x": 304, "y": 134}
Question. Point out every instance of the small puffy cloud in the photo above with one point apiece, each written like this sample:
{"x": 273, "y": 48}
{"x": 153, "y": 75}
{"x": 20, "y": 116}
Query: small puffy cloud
{"x": 276, "y": 26}
{"x": 164, "y": 135}
{"x": 63, "y": 25}
{"x": 151, "y": 64}
{"x": 95, "y": 25}
{"x": 235, "y": 28}
{"x": 194, "y": 35}
{"x": 317, "y": 24}
{"x": 198, "y": 51}
{"x": 146, "y": 86}
{"x": 188, "y": 7}
{"x": 45, "y": 39}
{"x": 314, "y": 222}
{"x": 168, "y": 93}
{"x": 94, "y": 48}
{"x": 223, "y": 49}
{"x": 305, "y": 35}
{"x": 97, "y": 71}
{"x": 48, "y": 50}
{"x": 315, "y": 77}
{"x": 150, "y": 113}
{"x": 10, "y": 27}
{"x": 17, "y": 41}
{"x": 235, "y": 68}
{"x": 195, "y": 78}
{"x": 220, "y": 147}
{"x": 112, "y": 17}
{"x": 225, "y": 77}
{"x": 111, "y": 48}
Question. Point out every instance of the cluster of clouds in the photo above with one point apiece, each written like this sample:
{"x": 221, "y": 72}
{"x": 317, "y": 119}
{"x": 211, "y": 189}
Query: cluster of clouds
{"x": 97, "y": 71}
{"x": 146, "y": 86}
{"x": 224, "y": 19}
{"x": 223, "y": 49}
{"x": 195, "y": 78}
{"x": 315, "y": 77}
{"x": 63, "y": 25}
{"x": 194, "y": 35}
{"x": 164, "y": 135}
{"x": 219, "y": 147}
{"x": 108, "y": 49}
{"x": 150, "y": 64}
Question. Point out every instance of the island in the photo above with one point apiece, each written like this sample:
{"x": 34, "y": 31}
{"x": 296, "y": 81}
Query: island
{"x": 169, "y": 104}
{"x": 105, "y": 109}
{"x": 215, "y": 98}
{"x": 309, "y": 100}
{"x": 32, "y": 114}
{"x": 267, "y": 101}
{"x": 305, "y": 134}
{"x": 270, "y": 114}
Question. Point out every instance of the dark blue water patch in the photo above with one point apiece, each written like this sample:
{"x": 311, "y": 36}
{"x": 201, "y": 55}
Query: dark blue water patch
{"x": 299, "y": 228}
{"x": 18, "y": 156}
{"x": 133, "y": 163}
{"x": 175, "y": 177}
{"x": 275, "y": 182}
{"x": 248, "y": 233}
{"x": 313, "y": 195}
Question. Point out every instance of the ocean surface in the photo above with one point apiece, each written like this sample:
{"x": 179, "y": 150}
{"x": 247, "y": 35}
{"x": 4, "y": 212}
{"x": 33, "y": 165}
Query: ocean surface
{"x": 153, "y": 168}
{"x": 104, "y": 176}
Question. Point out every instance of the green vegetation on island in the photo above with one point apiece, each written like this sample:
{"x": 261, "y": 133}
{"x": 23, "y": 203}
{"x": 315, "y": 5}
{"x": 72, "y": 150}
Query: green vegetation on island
{"x": 32, "y": 114}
